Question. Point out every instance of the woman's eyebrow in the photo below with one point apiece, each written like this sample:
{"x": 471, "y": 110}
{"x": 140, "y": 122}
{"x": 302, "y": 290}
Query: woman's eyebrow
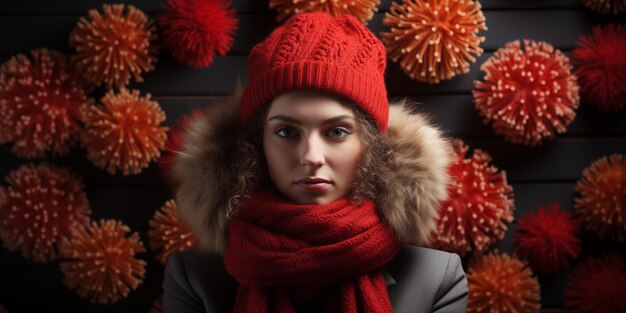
{"x": 295, "y": 121}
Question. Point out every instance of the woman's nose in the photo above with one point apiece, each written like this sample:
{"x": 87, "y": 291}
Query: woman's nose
{"x": 312, "y": 154}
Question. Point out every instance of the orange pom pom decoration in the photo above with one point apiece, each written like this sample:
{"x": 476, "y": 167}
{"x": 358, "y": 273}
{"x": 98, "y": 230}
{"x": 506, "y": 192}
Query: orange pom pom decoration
{"x": 547, "y": 239}
{"x": 527, "y": 94}
{"x": 602, "y": 201}
{"x": 479, "y": 205}
{"x": 597, "y": 285}
{"x": 41, "y": 104}
{"x": 434, "y": 40}
{"x": 39, "y": 208}
{"x": 196, "y": 30}
{"x": 124, "y": 133}
{"x": 102, "y": 263}
{"x": 363, "y": 10}
{"x": 500, "y": 283}
{"x": 113, "y": 46}
{"x": 605, "y": 6}
{"x": 169, "y": 233}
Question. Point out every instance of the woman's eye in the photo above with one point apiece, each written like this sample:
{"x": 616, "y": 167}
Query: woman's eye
{"x": 339, "y": 132}
{"x": 286, "y": 132}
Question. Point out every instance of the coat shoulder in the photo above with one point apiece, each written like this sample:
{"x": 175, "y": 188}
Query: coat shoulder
{"x": 197, "y": 280}
{"x": 428, "y": 279}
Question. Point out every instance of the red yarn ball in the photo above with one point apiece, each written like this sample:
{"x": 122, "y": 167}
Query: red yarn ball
{"x": 196, "y": 30}
{"x": 41, "y": 104}
{"x": 597, "y": 285}
{"x": 39, "y": 207}
{"x": 547, "y": 239}
{"x": 173, "y": 146}
{"x": 601, "y": 67}
{"x": 479, "y": 207}
{"x": 528, "y": 94}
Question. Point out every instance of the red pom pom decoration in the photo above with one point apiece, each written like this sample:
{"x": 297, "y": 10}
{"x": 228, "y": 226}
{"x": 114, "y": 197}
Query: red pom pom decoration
{"x": 602, "y": 201}
{"x": 500, "y": 283}
{"x": 363, "y": 10}
{"x": 479, "y": 205}
{"x": 597, "y": 285}
{"x": 112, "y": 47}
{"x": 547, "y": 239}
{"x": 605, "y": 6}
{"x": 196, "y": 30}
{"x": 124, "y": 133}
{"x": 601, "y": 67}
{"x": 102, "y": 263}
{"x": 39, "y": 208}
{"x": 41, "y": 104}
{"x": 527, "y": 94}
{"x": 434, "y": 40}
{"x": 169, "y": 233}
{"x": 173, "y": 147}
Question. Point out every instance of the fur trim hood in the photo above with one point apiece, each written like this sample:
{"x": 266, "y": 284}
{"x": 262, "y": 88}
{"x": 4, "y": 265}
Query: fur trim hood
{"x": 418, "y": 184}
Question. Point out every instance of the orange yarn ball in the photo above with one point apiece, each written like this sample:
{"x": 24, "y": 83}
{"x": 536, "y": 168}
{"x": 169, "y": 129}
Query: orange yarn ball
{"x": 124, "y": 133}
{"x": 528, "y": 94}
{"x": 169, "y": 233}
{"x": 500, "y": 283}
{"x": 602, "y": 200}
{"x": 101, "y": 261}
{"x": 363, "y": 10}
{"x": 113, "y": 46}
{"x": 605, "y": 6}
{"x": 41, "y": 104}
{"x": 434, "y": 40}
{"x": 479, "y": 206}
{"x": 40, "y": 207}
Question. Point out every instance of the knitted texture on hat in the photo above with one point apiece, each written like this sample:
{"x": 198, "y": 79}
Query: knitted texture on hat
{"x": 319, "y": 52}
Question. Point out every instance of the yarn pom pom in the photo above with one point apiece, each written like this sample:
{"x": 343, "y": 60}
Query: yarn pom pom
{"x": 479, "y": 206}
{"x": 157, "y": 305}
{"x": 602, "y": 200}
{"x": 173, "y": 147}
{"x": 547, "y": 239}
{"x": 41, "y": 104}
{"x": 601, "y": 67}
{"x": 363, "y": 10}
{"x": 169, "y": 233}
{"x": 605, "y": 6}
{"x": 528, "y": 94}
{"x": 124, "y": 133}
{"x": 112, "y": 47}
{"x": 39, "y": 208}
{"x": 597, "y": 285}
{"x": 434, "y": 40}
{"x": 196, "y": 30}
{"x": 101, "y": 261}
{"x": 500, "y": 283}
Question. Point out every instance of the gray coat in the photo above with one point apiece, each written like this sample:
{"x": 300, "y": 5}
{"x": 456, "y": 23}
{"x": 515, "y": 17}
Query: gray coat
{"x": 418, "y": 280}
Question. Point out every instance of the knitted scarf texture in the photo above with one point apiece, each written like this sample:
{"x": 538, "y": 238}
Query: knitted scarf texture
{"x": 285, "y": 254}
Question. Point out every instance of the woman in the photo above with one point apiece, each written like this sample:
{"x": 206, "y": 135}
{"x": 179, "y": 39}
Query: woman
{"x": 309, "y": 193}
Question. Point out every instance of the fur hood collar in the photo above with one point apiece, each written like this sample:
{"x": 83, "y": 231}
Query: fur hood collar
{"x": 418, "y": 185}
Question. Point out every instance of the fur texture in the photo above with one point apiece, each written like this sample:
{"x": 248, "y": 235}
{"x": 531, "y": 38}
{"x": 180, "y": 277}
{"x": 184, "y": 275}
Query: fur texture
{"x": 410, "y": 207}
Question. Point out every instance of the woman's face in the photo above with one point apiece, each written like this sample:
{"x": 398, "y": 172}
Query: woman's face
{"x": 312, "y": 147}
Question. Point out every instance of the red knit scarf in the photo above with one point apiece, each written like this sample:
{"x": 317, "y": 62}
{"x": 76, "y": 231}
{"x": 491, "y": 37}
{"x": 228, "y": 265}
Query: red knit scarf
{"x": 283, "y": 254}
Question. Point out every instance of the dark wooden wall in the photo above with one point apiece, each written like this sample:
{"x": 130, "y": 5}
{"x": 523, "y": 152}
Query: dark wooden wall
{"x": 538, "y": 175}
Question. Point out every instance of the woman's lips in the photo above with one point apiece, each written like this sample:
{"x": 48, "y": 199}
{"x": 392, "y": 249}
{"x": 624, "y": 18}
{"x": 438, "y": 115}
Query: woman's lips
{"x": 313, "y": 186}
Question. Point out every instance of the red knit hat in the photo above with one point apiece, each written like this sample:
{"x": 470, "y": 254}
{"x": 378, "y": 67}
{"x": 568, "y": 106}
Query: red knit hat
{"x": 320, "y": 52}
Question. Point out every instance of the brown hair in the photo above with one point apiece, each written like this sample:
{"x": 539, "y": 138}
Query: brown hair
{"x": 371, "y": 174}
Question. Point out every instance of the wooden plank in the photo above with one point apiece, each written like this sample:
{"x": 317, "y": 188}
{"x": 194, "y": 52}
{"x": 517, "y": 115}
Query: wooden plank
{"x": 43, "y": 7}
{"x": 551, "y": 162}
{"x": 503, "y": 26}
